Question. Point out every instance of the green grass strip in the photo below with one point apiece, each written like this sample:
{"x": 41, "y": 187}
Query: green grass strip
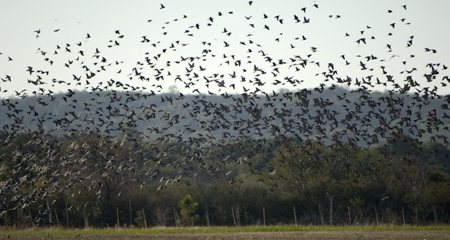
{"x": 173, "y": 230}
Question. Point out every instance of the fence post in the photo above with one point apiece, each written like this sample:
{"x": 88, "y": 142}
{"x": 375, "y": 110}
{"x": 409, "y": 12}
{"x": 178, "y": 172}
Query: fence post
{"x": 145, "y": 220}
{"x": 86, "y": 220}
{"x": 403, "y": 215}
{"x": 175, "y": 217}
{"x": 57, "y": 219}
{"x": 50, "y": 218}
{"x": 234, "y": 218}
{"x": 435, "y": 215}
{"x": 131, "y": 214}
{"x": 207, "y": 216}
{"x": 238, "y": 217}
{"x": 331, "y": 210}
{"x": 349, "y": 217}
{"x": 117, "y": 211}
{"x": 321, "y": 215}
{"x": 376, "y": 214}
{"x": 67, "y": 211}
{"x": 295, "y": 217}
{"x": 264, "y": 216}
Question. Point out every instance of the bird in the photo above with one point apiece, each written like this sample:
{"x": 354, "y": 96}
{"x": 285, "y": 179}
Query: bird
{"x": 114, "y": 125}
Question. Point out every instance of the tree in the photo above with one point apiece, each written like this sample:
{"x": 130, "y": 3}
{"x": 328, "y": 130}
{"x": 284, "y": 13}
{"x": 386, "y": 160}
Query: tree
{"x": 188, "y": 211}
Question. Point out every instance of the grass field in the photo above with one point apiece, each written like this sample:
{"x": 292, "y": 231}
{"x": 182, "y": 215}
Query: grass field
{"x": 215, "y": 230}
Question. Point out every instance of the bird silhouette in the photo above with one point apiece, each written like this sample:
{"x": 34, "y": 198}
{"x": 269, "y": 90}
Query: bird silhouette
{"x": 119, "y": 112}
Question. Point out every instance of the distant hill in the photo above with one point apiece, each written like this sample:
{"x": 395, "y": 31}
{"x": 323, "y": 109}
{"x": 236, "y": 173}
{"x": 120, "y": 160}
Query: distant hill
{"x": 309, "y": 113}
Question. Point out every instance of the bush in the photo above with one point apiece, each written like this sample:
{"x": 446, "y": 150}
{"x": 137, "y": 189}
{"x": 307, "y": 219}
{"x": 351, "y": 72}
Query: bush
{"x": 188, "y": 211}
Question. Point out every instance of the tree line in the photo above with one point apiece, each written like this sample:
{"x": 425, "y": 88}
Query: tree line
{"x": 89, "y": 179}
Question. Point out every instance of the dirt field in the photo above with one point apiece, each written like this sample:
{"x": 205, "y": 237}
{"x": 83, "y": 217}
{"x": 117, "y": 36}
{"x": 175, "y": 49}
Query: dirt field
{"x": 409, "y": 235}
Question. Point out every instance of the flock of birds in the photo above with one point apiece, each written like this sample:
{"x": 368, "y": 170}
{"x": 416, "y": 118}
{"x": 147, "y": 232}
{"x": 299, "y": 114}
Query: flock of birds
{"x": 41, "y": 164}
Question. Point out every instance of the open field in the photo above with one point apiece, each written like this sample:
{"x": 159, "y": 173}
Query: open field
{"x": 408, "y": 235}
{"x": 251, "y": 232}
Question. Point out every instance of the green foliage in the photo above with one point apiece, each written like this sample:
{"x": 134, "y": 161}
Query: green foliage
{"x": 188, "y": 211}
{"x": 249, "y": 175}
{"x": 139, "y": 220}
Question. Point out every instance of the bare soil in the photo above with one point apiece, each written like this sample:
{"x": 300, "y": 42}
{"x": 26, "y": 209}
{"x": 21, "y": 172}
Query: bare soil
{"x": 407, "y": 235}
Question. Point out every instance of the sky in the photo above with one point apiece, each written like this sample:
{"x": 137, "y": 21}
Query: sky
{"x": 229, "y": 38}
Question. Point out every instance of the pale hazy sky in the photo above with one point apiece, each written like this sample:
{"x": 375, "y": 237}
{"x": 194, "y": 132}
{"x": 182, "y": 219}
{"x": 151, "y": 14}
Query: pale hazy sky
{"x": 68, "y": 22}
